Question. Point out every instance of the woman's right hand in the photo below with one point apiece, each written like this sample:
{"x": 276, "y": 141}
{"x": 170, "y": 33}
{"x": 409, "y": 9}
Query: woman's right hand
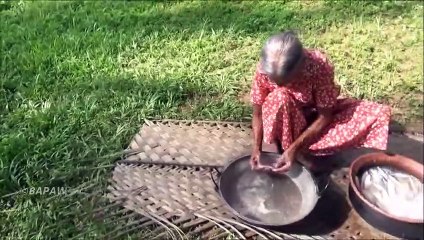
{"x": 254, "y": 159}
{"x": 255, "y": 162}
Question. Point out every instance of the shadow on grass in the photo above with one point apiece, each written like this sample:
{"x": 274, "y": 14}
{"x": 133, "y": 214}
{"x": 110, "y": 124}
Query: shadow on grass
{"x": 253, "y": 18}
{"x": 246, "y": 18}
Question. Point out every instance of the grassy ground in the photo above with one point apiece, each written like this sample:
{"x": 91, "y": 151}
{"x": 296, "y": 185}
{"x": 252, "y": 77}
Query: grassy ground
{"x": 77, "y": 79}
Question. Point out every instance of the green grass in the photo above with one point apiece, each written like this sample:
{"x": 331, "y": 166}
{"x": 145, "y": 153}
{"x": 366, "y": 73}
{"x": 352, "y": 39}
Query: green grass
{"x": 77, "y": 79}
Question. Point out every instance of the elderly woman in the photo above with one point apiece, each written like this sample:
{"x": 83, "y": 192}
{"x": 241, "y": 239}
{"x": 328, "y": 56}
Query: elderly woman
{"x": 296, "y": 105}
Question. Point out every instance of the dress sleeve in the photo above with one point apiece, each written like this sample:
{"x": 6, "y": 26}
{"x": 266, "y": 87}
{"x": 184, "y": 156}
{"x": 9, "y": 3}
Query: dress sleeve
{"x": 259, "y": 91}
{"x": 326, "y": 91}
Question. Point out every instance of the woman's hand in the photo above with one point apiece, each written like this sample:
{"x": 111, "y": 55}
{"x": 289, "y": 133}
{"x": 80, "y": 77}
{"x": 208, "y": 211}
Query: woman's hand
{"x": 255, "y": 162}
{"x": 254, "y": 159}
{"x": 285, "y": 162}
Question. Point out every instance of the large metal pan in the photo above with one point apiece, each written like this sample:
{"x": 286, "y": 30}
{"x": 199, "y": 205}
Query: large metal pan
{"x": 398, "y": 227}
{"x": 266, "y": 199}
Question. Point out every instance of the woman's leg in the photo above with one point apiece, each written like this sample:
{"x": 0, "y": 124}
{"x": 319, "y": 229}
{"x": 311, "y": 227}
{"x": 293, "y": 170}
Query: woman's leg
{"x": 357, "y": 124}
{"x": 283, "y": 120}
{"x": 378, "y": 133}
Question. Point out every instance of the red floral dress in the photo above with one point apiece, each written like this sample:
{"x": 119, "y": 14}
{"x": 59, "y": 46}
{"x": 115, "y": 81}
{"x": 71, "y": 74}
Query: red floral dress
{"x": 356, "y": 123}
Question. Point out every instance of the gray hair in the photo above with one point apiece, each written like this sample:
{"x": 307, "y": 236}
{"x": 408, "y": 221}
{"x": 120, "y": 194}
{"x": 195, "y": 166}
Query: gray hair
{"x": 281, "y": 54}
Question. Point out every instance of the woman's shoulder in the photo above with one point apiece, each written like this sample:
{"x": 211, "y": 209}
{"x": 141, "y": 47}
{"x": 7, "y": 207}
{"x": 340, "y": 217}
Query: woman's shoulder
{"x": 317, "y": 56}
{"x": 318, "y": 66}
{"x": 261, "y": 77}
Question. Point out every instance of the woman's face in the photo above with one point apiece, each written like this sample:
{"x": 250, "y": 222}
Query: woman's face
{"x": 284, "y": 81}
{"x": 293, "y": 75}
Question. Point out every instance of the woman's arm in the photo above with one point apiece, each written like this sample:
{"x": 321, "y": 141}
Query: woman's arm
{"x": 304, "y": 140}
{"x": 257, "y": 137}
{"x": 257, "y": 128}
{"x": 325, "y": 116}
{"x": 258, "y": 94}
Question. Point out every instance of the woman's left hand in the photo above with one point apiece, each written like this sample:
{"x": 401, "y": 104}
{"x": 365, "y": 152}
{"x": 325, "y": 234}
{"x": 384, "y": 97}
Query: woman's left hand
{"x": 285, "y": 161}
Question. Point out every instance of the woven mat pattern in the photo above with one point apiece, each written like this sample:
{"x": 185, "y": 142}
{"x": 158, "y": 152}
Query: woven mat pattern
{"x": 188, "y": 142}
{"x": 186, "y": 196}
{"x": 168, "y": 189}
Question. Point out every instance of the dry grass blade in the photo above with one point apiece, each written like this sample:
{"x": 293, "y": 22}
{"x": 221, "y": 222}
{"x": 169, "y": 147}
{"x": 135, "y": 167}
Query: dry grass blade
{"x": 118, "y": 216}
{"x": 169, "y": 230}
{"x": 219, "y": 225}
{"x": 179, "y": 231}
{"x": 102, "y": 209}
{"x": 275, "y": 236}
{"x": 244, "y": 226}
{"x": 231, "y": 226}
{"x": 130, "y": 227}
{"x": 301, "y": 237}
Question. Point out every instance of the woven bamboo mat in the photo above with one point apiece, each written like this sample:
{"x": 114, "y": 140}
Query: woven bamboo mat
{"x": 188, "y": 142}
{"x": 185, "y": 197}
{"x": 164, "y": 194}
